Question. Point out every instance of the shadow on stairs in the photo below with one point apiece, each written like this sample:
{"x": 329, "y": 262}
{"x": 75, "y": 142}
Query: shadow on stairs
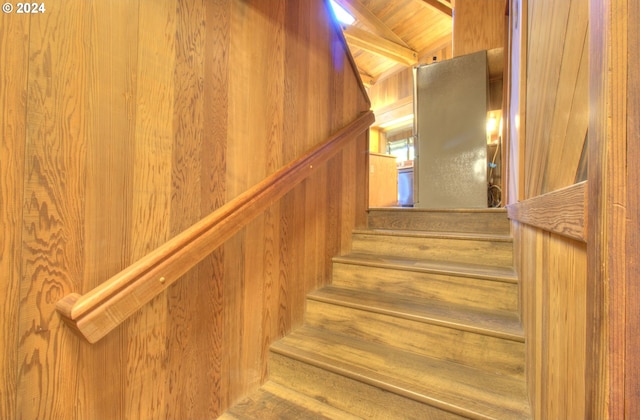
{"x": 421, "y": 321}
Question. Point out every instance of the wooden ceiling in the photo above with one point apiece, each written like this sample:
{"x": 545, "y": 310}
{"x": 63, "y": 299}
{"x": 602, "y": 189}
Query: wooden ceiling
{"x": 389, "y": 35}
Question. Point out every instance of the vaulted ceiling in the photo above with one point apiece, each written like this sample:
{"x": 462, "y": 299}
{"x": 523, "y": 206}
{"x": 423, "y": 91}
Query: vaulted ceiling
{"x": 389, "y": 35}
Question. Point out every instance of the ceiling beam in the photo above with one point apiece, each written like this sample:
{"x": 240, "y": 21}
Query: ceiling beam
{"x": 443, "y": 6}
{"x": 371, "y": 21}
{"x": 375, "y": 44}
{"x": 367, "y": 79}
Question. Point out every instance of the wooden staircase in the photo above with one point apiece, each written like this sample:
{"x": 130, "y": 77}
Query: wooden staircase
{"x": 420, "y": 322}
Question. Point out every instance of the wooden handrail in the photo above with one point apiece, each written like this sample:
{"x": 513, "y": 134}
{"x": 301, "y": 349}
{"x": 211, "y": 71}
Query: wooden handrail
{"x": 102, "y": 309}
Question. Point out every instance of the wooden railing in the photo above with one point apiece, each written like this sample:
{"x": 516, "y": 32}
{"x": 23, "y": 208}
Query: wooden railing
{"x": 102, "y": 309}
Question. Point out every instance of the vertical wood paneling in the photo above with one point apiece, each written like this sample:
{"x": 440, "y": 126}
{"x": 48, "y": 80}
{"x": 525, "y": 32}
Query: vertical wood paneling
{"x": 392, "y": 89}
{"x": 146, "y": 353}
{"x": 140, "y": 118}
{"x": 188, "y": 326}
{"x": 213, "y": 195}
{"x": 108, "y": 199}
{"x": 53, "y": 211}
{"x": 477, "y": 26}
{"x": 568, "y": 125}
{"x": 550, "y": 93}
{"x": 632, "y": 333}
{"x": 274, "y": 62}
{"x": 553, "y": 276}
{"x": 557, "y": 105}
{"x": 14, "y": 50}
{"x": 611, "y": 93}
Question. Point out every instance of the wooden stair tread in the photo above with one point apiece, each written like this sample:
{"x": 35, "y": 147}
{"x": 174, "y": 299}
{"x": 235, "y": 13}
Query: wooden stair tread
{"x": 460, "y": 269}
{"x": 446, "y": 385}
{"x": 440, "y": 220}
{"x": 435, "y": 235}
{"x": 273, "y": 401}
{"x": 500, "y": 324}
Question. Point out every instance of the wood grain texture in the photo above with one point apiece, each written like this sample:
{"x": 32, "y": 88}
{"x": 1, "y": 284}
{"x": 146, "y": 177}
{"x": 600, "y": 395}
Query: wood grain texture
{"x": 135, "y": 121}
{"x": 53, "y": 211}
{"x": 146, "y": 349}
{"x": 383, "y": 178}
{"x": 414, "y": 23}
{"x": 276, "y": 402}
{"x": 632, "y": 316}
{"x": 557, "y": 91}
{"x": 422, "y": 326}
{"x": 359, "y": 38}
{"x": 190, "y": 329}
{"x": 563, "y": 211}
{"x": 101, "y": 310}
{"x": 109, "y": 188}
{"x": 484, "y": 221}
{"x": 372, "y": 402}
{"x": 477, "y": 26}
{"x": 400, "y": 372}
{"x": 611, "y": 113}
{"x": 13, "y": 88}
{"x": 213, "y": 191}
{"x": 370, "y": 20}
{"x": 552, "y": 271}
{"x": 441, "y": 6}
{"x": 548, "y": 123}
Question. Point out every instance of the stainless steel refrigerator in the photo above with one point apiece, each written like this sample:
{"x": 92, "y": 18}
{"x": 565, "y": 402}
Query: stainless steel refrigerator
{"x": 450, "y": 123}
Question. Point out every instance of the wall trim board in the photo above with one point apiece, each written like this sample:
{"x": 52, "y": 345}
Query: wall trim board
{"x": 614, "y": 105}
{"x": 563, "y": 211}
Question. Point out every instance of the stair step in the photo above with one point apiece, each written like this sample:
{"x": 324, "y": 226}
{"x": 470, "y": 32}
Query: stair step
{"x": 475, "y": 285}
{"x": 385, "y": 320}
{"x": 479, "y": 271}
{"x": 490, "y": 221}
{"x": 273, "y": 401}
{"x": 311, "y": 353}
{"x": 501, "y": 324}
{"x": 490, "y": 250}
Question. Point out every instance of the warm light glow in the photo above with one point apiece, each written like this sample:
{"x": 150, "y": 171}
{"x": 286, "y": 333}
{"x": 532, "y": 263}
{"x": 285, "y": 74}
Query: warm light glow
{"x": 342, "y": 15}
{"x": 492, "y": 124}
{"x": 397, "y": 121}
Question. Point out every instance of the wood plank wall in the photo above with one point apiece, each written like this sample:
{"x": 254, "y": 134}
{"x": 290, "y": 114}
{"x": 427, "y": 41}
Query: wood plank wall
{"x": 545, "y": 157}
{"x": 556, "y": 123}
{"x": 398, "y": 87}
{"x": 478, "y": 25}
{"x": 124, "y": 122}
{"x": 613, "y": 373}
